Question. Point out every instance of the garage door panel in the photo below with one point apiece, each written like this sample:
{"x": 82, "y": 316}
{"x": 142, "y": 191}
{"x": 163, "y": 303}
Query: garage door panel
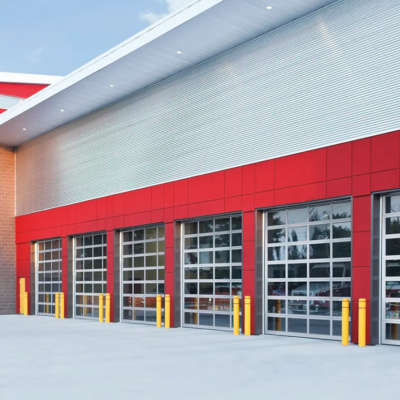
{"x": 48, "y": 275}
{"x": 307, "y": 268}
{"x": 212, "y": 271}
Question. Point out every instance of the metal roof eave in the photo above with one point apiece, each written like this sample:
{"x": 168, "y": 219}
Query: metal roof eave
{"x": 142, "y": 38}
{"x": 145, "y": 59}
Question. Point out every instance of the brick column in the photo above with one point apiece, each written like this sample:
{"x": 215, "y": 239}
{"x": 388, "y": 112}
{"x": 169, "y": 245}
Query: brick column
{"x": 24, "y": 271}
{"x": 8, "y": 289}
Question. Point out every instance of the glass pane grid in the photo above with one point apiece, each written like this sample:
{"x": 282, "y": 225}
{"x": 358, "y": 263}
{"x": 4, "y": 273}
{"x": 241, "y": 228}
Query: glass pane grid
{"x": 308, "y": 269}
{"x": 212, "y": 271}
{"x": 90, "y": 274}
{"x": 143, "y": 273}
{"x": 48, "y": 275}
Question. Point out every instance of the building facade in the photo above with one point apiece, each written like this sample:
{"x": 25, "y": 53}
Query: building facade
{"x": 14, "y": 88}
{"x": 262, "y": 162}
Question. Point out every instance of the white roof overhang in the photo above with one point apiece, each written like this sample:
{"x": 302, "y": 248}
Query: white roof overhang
{"x": 201, "y": 30}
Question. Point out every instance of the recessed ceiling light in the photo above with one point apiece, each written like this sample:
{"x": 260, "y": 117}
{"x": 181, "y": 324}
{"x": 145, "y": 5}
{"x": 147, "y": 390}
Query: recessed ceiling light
{"x": 269, "y": 7}
{"x": 111, "y": 85}
{"x": 178, "y": 52}
{"x": 62, "y": 110}
{"x": 24, "y": 129}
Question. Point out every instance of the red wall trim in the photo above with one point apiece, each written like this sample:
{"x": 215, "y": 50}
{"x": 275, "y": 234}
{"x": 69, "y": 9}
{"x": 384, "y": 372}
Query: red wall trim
{"x": 336, "y": 171}
{"x": 20, "y": 89}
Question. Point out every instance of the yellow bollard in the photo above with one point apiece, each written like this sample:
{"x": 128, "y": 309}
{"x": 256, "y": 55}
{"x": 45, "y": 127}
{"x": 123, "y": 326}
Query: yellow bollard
{"x": 25, "y": 303}
{"x": 57, "y": 305}
{"x": 158, "y": 311}
{"x": 85, "y": 303}
{"x": 247, "y": 316}
{"x": 345, "y": 322}
{"x": 21, "y": 295}
{"x": 62, "y": 305}
{"x": 362, "y": 322}
{"x": 236, "y": 315}
{"x": 101, "y": 307}
{"x": 108, "y": 308}
{"x": 167, "y": 322}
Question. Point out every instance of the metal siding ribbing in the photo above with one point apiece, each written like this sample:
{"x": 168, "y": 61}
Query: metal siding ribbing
{"x": 327, "y": 78}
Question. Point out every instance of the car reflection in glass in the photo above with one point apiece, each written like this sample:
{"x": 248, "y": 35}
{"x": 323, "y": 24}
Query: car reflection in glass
{"x": 317, "y": 289}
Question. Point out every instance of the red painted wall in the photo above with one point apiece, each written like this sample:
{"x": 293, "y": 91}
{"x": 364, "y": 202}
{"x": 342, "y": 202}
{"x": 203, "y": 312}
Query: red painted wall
{"x": 22, "y": 90}
{"x": 355, "y": 168}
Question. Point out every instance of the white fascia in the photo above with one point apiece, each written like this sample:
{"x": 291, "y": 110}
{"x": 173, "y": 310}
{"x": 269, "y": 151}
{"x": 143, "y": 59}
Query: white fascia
{"x": 137, "y": 41}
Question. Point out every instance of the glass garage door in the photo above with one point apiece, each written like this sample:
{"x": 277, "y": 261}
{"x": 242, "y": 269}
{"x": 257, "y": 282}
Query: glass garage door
{"x": 391, "y": 270}
{"x": 49, "y": 275}
{"x": 212, "y": 271}
{"x": 143, "y": 255}
{"x": 308, "y": 269}
{"x": 90, "y": 274}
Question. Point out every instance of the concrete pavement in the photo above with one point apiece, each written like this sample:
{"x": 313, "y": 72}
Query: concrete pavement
{"x": 44, "y": 358}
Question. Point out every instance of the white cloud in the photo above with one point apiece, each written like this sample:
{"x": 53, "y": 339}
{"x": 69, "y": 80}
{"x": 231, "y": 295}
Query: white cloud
{"x": 35, "y": 56}
{"x": 172, "y": 5}
{"x": 151, "y": 17}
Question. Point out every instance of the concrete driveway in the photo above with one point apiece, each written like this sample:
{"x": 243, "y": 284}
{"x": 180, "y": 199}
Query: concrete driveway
{"x": 43, "y": 358}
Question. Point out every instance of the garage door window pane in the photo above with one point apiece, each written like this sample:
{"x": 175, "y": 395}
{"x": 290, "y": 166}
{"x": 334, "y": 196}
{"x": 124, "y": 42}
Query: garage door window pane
{"x": 148, "y": 272}
{"x": 48, "y": 275}
{"x": 215, "y": 273}
{"x": 303, "y": 258}
{"x": 90, "y": 252}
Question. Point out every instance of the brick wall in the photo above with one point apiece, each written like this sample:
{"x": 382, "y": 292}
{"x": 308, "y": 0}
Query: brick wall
{"x": 7, "y": 231}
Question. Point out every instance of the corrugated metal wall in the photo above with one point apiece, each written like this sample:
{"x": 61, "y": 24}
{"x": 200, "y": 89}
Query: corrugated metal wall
{"x": 330, "y": 77}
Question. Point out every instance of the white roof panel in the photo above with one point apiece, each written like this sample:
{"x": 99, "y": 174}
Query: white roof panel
{"x": 201, "y": 30}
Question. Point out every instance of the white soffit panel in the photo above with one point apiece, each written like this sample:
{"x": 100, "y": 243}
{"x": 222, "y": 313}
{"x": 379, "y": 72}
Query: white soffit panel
{"x": 201, "y": 30}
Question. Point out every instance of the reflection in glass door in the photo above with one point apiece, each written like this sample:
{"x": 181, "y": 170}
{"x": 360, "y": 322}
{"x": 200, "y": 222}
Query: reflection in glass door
{"x": 391, "y": 270}
{"x": 48, "y": 275}
{"x": 212, "y": 271}
{"x": 143, "y": 273}
{"x": 308, "y": 269}
{"x": 90, "y": 274}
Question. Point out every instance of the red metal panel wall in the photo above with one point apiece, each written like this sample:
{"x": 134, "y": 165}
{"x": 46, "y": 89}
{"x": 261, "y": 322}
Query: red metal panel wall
{"x": 354, "y": 168}
{"x": 22, "y": 90}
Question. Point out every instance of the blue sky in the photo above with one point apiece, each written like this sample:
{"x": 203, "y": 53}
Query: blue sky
{"x": 54, "y": 37}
